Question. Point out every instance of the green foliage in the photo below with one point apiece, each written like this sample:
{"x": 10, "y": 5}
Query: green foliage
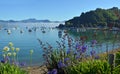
{"x": 117, "y": 61}
{"x": 116, "y": 70}
{"x": 6, "y": 68}
{"x": 90, "y": 67}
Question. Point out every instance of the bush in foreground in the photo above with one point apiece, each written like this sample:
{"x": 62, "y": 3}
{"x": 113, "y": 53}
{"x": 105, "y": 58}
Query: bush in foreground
{"x": 6, "y": 68}
{"x": 9, "y": 64}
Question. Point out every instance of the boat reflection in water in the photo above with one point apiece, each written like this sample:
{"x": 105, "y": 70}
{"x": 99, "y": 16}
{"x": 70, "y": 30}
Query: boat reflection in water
{"x": 59, "y": 34}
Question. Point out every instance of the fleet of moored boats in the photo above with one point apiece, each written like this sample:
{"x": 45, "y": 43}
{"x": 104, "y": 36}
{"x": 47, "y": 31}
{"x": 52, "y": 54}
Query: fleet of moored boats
{"x": 9, "y": 30}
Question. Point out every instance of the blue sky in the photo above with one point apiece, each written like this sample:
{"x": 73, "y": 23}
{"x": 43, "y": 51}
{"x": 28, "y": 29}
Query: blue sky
{"x": 59, "y": 10}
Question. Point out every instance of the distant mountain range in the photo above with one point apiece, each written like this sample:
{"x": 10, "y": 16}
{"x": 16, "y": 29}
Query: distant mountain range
{"x": 31, "y": 20}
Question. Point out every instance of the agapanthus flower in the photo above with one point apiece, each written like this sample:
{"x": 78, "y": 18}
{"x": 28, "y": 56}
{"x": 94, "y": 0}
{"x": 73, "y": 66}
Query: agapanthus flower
{"x": 78, "y": 46}
{"x": 10, "y": 44}
{"x": 9, "y": 54}
{"x": 17, "y": 49}
{"x": 66, "y": 59}
{"x": 54, "y": 71}
{"x": 49, "y": 72}
{"x": 61, "y": 64}
{"x": 84, "y": 48}
{"x": 68, "y": 51}
{"x": 78, "y": 57}
{"x": 22, "y": 64}
{"x": 92, "y": 52}
{"x": 6, "y": 48}
{"x": 5, "y": 60}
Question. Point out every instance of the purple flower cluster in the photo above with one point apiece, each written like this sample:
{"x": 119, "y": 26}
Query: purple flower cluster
{"x": 61, "y": 64}
{"x": 84, "y": 48}
{"x": 68, "y": 51}
{"x": 92, "y": 52}
{"x": 21, "y": 64}
{"x": 81, "y": 49}
{"x": 54, "y": 71}
{"x": 5, "y": 60}
{"x": 77, "y": 57}
{"x": 78, "y": 46}
{"x": 66, "y": 60}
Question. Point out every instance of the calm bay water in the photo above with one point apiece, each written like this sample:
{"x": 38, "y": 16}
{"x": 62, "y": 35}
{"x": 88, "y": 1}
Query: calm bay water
{"x": 28, "y": 40}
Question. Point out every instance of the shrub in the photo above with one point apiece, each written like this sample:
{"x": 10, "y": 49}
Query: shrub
{"x": 90, "y": 67}
{"x": 6, "y": 68}
{"x": 116, "y": 70}
{"x": 117, "y": 58}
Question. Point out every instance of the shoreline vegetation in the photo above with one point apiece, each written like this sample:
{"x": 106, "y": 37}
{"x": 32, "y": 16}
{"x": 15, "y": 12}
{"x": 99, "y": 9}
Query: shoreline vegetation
{"x": 43, "y": 69}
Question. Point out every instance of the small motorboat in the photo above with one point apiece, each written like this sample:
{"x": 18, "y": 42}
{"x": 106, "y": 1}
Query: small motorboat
{"x": 9, "y": 31}
{"x": 29, "y": 30}
{"x": 21, "y": 31}
{"x": 43, "y": 31}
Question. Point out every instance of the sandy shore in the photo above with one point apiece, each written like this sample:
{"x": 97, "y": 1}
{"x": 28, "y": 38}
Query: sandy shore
{"x": 36, "y": 70}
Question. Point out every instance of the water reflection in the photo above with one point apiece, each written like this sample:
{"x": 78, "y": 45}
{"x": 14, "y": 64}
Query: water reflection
{"x": 59, "y": 34}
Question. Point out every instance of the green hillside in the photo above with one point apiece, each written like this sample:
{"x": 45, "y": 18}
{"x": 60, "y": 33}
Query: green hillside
{"x": 98, "y": 17}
